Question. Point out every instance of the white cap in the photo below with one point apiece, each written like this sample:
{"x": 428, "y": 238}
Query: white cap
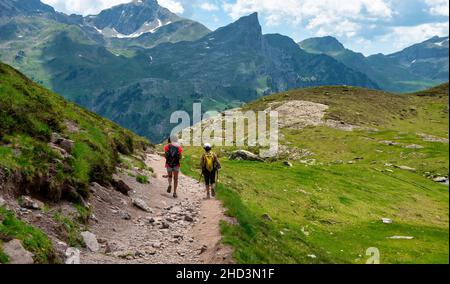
{"x": 207, "y": 146}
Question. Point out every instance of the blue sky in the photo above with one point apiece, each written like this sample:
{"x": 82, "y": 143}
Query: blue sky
{"x": 367, "y": 26}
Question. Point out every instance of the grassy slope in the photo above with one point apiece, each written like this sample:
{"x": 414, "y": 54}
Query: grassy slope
{"x": 340, "y": 206}
{"x": 29, "y": 114}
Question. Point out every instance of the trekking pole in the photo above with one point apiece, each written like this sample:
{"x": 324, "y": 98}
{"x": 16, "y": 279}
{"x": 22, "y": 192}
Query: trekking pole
{"x": 200, "y": 179}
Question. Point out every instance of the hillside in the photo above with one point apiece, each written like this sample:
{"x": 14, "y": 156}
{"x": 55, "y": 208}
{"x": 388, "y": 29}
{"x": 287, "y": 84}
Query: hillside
{"x": 349, "y": 157}
{"x": 52, "y": 150}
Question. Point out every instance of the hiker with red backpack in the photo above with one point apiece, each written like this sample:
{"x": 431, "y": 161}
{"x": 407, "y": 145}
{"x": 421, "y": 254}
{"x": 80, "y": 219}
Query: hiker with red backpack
{"x": 173, "y": 153}
{"x": 210, "y": 166}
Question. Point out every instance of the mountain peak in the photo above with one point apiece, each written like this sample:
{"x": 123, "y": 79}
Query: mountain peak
{"x": 325, "y": 44}
{"x": 245, "y": 31}
{"x": 136, "y": 17}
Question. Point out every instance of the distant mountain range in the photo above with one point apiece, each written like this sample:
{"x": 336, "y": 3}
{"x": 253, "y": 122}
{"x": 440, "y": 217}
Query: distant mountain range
{"x": 415, "y": 68}
{"x": 136, "y": 63}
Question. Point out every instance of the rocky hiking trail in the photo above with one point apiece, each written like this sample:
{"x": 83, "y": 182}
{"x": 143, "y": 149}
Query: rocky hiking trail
{"x": 170, "y": 231}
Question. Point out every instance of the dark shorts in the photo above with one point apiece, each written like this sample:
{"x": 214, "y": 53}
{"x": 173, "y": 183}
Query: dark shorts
{"x": 210, "y": 178}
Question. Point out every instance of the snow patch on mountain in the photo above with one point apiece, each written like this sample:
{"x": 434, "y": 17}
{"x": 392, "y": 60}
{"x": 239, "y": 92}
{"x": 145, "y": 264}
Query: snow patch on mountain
{"x": 147, "y": 27}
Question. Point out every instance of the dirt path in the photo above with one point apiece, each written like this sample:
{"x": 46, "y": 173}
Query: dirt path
{"x": 181, "y": 231}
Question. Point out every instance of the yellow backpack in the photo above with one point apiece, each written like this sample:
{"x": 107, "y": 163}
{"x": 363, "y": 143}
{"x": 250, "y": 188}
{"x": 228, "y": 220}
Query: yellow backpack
{"x": 209, "y": 162}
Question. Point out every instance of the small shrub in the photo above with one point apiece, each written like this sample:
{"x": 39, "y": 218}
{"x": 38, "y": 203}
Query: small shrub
{"x": 142, "y": 179}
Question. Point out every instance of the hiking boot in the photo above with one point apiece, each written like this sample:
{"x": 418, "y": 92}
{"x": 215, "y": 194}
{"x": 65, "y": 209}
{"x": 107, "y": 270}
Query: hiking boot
{"x": 213, "y": 192}
{"x": 175, "y": 195}
{"x": 169, "y": 189}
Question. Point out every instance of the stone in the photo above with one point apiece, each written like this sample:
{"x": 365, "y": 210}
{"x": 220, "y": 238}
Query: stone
{"x": 266, "y": 217}
{"x": 188, "y": 218}
{"x": 288, "y": 164}
{"x": 164, "y": 225}
{"x": 245, "y": 155}
{"x": 414, "y": 146}
{"x": 406, "y": 168}
{"x": 28, "y": 203}
{"x": 437, "y": 179}
{"x": 16, "y": 253}
{"x": 121, "y": 186}
{"x": 55, "y": 137}
{"x": 203, "y": 249}
{"x": 2, "y": 202}
{"x": 386, "y": 221}
{"x": 401, "y": 238}
{"x": 389, "y": 143}
{"x": 91, "y": 241}
{"x": 125, "y": 215}
{"x": 139, "y": 203}
{"x": 72, "y": 256}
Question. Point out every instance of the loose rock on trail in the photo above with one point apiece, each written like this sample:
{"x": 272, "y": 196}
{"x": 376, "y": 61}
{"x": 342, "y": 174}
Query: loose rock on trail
{"x": 173, "y": 231}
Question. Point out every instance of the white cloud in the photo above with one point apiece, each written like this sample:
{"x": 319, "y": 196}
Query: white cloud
{"x": 83, "y": 7}
{"x": 318, "y": 15}
{"x": 173, "y": 5}
{"x": 209, "y": 7}
{"x": 402, "y": 37}
{"x": 91, "y": 7}
{"x": 438, "y": 7}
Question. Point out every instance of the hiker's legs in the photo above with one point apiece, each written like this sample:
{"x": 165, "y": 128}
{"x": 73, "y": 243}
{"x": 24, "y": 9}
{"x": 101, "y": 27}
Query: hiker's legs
{"x": 169, "y": 179}
{"x": 175, "y": 182}
{"x": 207, "y": 176}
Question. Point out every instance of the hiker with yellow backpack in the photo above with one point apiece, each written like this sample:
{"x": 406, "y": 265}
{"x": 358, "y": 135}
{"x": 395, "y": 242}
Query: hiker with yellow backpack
{"x": 210, "y": 166}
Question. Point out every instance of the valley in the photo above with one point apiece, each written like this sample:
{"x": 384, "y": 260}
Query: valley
{"x": 361, "y": 174}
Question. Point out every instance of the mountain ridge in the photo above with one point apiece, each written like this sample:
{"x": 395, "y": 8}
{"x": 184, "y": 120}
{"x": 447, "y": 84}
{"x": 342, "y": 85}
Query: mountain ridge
{"x": 416, "y": 67}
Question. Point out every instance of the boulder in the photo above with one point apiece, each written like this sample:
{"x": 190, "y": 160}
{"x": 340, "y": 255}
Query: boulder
{"x": 91, "y": 241}
{"x": 29, "y": 203}
{"x": 288, "y": 164}
{"x": 16, "y": 253}
{"x": 72, "y": 256}
{"x": 406, "y": 168}
{"x": 139, "y": 203}
{"x": 2, "y": 202}
{"x": 437, "y": 179}
{"x": 245, "y": 155}
{"x": 121, "y": 186}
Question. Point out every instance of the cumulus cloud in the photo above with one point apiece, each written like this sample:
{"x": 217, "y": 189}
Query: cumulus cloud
{"x": 91, "y": 7}
{"x": 319, "y": 15}
{"x": 173, "y": 5}
{"x": 208, "y": 6}
{"x": 438, "y": 7}
{"x": 405, "y": 36}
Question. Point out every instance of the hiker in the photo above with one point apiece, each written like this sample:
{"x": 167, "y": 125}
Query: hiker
{"x": 210, "y": 166}
{"x": 173, "y": 152}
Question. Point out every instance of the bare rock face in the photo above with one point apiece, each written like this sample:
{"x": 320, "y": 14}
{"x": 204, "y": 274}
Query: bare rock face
{"x": 17, "y": 253}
